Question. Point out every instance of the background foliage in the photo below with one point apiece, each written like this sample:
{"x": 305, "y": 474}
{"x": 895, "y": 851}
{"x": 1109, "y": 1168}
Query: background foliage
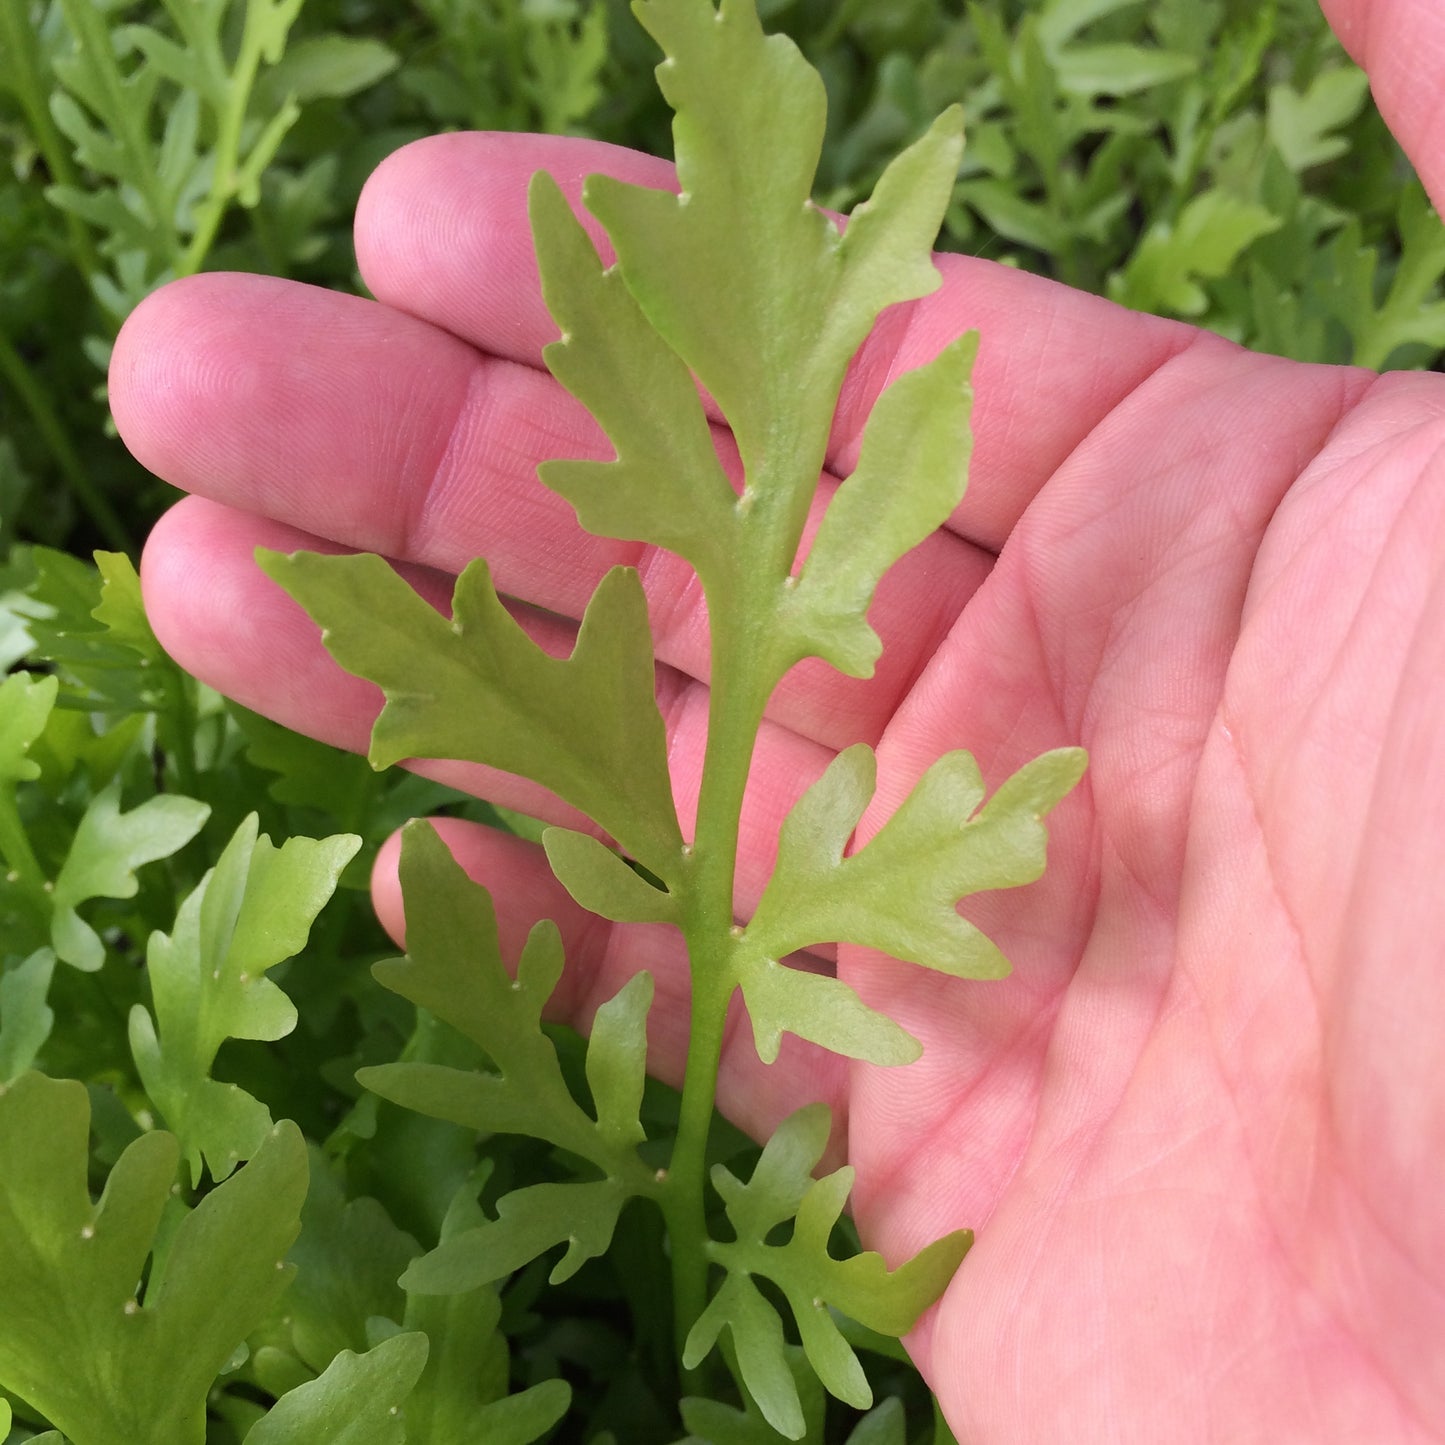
{"x": 1216, "y": 160}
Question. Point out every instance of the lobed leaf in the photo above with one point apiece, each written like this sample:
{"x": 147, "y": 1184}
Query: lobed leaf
{"x": 357, "y": 1401}
{"x": 897, "y": 893}
{"x": 107, "y": 849}
{"x": 253, "y": 910}
{"x": 462, "y": 1395}
{"x": 862, "y": 1287}
{"x": 911, "y": 473}
{"x": 666, "y": 486}
{"x": 601, "y": 881}
{"x": 453, "y": 968}
{"x": 476, "y": 688}
{"x": 746, "y": 243}
{"x": 25, "y": 705}
{"x": 102, "y": 1364}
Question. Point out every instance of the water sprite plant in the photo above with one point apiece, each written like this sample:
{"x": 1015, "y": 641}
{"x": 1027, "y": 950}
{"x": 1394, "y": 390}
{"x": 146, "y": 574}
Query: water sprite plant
{"x": 638, "y": 338}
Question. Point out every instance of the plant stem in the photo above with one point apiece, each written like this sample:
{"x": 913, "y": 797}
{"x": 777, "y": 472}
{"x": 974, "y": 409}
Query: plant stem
{"x": 741, "y": 685}
{"x": 29, "y": 73}
{"x": 92, "y": 500}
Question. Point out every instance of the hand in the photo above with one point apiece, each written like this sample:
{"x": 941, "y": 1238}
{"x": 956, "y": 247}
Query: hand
{"x": 1200, "y": 1127}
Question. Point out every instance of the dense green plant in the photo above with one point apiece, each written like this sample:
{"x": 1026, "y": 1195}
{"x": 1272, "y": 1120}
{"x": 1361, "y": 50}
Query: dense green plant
{"x": 162, "y": 962}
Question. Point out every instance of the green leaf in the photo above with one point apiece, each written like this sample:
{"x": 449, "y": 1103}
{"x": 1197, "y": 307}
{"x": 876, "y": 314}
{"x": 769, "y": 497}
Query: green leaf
{"x": 667, "y": 486}
{"x": 357, "y": 1401}
{"x": 102, "y": 1365}
{"x": 713, "y": 1423}
{"x": 108, "y": 847}
{"x": 911, "y": 473}
{"x": 863, "y": 1287}
{"x": 253, "y": 910}
{"x": 347, "y": 1259}
{"x": 462, "y": 1395}
{"x": 897, "y": 893}
{"x": 25, "y": 1017}
{"x": 799, "y": 299}
{"x": 1303, "y": 126}
{"x": 884, "y": 1425}
{"x": 453, "y": 968}
{"x": 529, "y": 1222}
{"x": 477, "y": 688}
{"x": 601, "y": 881}
{"x": 25, "y": 705}
{"x": 1212, "y": 231}
{"x": 329, "y": 67}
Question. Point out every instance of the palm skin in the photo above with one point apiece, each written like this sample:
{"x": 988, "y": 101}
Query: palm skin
{"x": 1199, "y": 1127}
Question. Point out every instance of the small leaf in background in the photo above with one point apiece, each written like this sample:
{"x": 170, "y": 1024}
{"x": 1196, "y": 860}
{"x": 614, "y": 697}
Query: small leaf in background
{"x": 104, "y": 1366}
{"x": 475, "y": 687}
{"x": 359, "y": 1399}
{"x": 253, "y": 910}
{"x": 328, "y": 67}
{"x": 25, "y": 1017}
{"x": 25, "y": 704}
{"x": 1212, "y": 232}
{"x": 462, "y": 1397}
{"x": 108, "y": 847}
{"x": 347, "y": 1259}
{"x": 782, "y": 1187}
{"x": 1303, "y": 126}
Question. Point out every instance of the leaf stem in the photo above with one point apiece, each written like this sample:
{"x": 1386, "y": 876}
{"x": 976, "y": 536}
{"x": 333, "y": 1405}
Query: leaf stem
{"x": 741, "y": 685}
{"x": 92, "y": 500}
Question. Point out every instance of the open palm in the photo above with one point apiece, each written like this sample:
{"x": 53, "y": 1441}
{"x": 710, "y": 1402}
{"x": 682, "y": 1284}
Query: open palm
{"x": 1200, "y": 1125}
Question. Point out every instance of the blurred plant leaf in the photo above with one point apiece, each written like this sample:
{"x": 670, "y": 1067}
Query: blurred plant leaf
{"x": 76, "y": 1341}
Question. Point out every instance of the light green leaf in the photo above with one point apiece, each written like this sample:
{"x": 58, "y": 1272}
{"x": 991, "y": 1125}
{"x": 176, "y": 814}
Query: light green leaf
{"x": 757, "y": 1333}
{"x": 816, "y": 1007}
{"x": 897, "y": 893}
{"x": 910, "y": 476}
{"x": 253, "y": 910}
{"x": 713, "y": 1423}
{"x": 75, "y": 1341}
{"x": 453, "y": 968}
{"x": 357, "y": 1401}
{"x": 667, "y": 486}
{"x": 108, "y": 847}
{"x": 747, "y": 242}
{"x": 602, "y": 882}
{"x": 326, "y": 67}
{"x": 476, "y": 688}
{"x": 1211, "y": 232}
{"x": 1303, "y": 126}
{"x": 811, "y": 1279}
{"x": 25, "y": 1017}
{"x": 1118, "y": 70}
{"x": 25, "y": 704}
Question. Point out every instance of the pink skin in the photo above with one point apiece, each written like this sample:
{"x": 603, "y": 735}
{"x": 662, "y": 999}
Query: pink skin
{"x": 1200, "y": 1127}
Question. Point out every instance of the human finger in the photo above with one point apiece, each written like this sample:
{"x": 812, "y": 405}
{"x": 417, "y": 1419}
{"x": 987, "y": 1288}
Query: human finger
{"x": 227, "y": 623}
{"x": 1401, "y": 46}
{"x": 378, "y": 431}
